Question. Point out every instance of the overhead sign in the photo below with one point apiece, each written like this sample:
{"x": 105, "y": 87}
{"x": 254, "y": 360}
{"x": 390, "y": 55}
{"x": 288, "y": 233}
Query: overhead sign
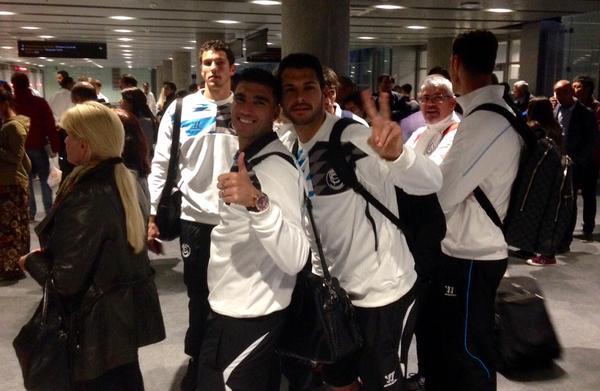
{"x": 60, "y": 49}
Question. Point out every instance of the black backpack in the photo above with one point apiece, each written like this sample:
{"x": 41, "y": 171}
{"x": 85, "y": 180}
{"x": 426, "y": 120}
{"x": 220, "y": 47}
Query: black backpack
{"x": 542, "y": 196}
{"x": 420, "y": 218}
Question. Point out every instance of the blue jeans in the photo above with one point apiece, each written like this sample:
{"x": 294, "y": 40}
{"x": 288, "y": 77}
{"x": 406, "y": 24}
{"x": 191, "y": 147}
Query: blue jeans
{"x": 40, "y": 166}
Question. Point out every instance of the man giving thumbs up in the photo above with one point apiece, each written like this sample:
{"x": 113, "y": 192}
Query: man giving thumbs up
{"x": 258, "y": 247}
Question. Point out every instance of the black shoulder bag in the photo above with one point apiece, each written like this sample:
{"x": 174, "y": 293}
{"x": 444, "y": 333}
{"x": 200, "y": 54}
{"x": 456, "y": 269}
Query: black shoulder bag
{"x": 42, "y": 345}
{"x": 320, "y": 327}
{"x": 168, "y": 211}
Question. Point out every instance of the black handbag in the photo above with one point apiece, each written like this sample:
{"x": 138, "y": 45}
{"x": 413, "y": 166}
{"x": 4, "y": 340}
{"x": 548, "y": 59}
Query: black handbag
{"x": 320, "y": 327}
{"x": 42, "y": 345}
{"x": 168, "y": 211}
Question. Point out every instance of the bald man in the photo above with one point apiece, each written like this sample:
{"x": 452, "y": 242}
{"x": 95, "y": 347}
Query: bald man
{"x": 579, "y": 130}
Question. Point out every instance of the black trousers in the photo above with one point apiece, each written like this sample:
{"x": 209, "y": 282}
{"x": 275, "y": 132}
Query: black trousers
{"x": 586, "y": 178}
{"x": 238, "y": 353}
{"x": 461, "y": 353}
{"x": 195, "y": 251}
{"x": 126, "y": 377}
{"x": 386, "y": 331}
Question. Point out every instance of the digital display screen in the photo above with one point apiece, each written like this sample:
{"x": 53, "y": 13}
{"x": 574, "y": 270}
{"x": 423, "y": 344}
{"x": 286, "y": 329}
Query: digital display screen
{"x": 62, "y": 49}
{"x": 256, "y": 43}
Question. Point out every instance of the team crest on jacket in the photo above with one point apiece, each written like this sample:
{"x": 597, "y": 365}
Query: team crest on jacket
{"x": 333, "y": 181}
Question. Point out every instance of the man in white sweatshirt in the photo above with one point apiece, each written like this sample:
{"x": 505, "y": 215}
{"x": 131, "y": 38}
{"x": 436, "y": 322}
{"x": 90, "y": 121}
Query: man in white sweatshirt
{"x": 485, "y": 153}
{"x": 365, "y": 251}
{"x": 437, "y": 104}
{"x": 207, "y": 146}
{"x": 257, "y": 248}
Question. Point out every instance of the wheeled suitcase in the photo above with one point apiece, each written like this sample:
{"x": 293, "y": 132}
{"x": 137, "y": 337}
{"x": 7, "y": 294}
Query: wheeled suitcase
{"x": 525, "y": 335}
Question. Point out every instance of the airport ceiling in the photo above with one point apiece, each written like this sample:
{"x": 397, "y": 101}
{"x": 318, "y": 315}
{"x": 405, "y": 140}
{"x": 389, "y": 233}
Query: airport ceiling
{"x": 160, "y": 27}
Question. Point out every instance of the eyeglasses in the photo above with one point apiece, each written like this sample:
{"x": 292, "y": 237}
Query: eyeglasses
{"x": 435, "y": 99}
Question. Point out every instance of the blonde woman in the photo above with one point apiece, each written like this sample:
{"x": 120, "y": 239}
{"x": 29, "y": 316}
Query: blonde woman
{"x": 93, "y": 249}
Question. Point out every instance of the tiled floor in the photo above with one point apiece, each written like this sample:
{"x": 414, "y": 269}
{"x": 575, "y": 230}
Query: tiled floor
{"x": 572, "y": 291}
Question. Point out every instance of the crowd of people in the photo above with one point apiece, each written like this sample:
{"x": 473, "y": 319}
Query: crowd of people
{"x": 251, "y": 155}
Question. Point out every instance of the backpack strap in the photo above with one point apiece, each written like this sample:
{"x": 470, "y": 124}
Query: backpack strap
{"x": 479, "y": 194}
{"x": 517, "y": 123}
{"x": 255, "y": 161}
{"x": 174, "y": 152}
{"x": 345, "y": 170}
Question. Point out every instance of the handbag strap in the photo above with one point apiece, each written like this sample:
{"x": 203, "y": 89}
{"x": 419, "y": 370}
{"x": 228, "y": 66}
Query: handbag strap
{"x": 174, "y": 154}
{"x": 309, "y": 208}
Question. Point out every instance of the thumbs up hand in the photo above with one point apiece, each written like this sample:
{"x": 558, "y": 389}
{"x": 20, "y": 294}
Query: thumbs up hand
{"x": 236, "y": 187}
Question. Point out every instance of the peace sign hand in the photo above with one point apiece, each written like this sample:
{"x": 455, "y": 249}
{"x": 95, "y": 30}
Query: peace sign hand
{"x": 386, "y": 135}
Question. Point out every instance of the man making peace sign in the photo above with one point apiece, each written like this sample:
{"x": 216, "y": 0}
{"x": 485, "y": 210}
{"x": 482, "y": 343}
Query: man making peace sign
{"x": 363, "y": 248}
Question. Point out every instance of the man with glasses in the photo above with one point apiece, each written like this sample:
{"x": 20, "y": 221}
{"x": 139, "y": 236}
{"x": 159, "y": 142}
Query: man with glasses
{"x": 434, "y": 141}
{"x": 437, "y": 106}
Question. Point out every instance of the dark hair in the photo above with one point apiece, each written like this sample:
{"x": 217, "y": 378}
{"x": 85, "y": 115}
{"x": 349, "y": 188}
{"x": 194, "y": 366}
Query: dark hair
{"x": 438, "y": 70}
{"x": 63, "y": 73}
{"x": 67, "y": 82}
{"x": 83, "y": 92}
{"x": 217, "y": 45}
{"x": 476, "y": 50}
{"x": 301, "y": 61}
{"x": 171, "y": 85}
{"x": 20, "y": 81}
{"x": 129, "y": 80}
{"x": 6, "y": 96}
{"x": 181, "y": 93}
{"x": 138, "y": 101}
{"x": 587, "y": 83}
{"x": 407, "y": 88}
{"x": 193, "y": 88}
{"x": 355, "y": 98}
{"x": 135, "y": 151}
{"x": 331, "y": 79}
{"x": 4, "y": 85}
{"x": 382, "y": 76}
{"x": 541, "y": 114}
{"x": 262, "y": 77}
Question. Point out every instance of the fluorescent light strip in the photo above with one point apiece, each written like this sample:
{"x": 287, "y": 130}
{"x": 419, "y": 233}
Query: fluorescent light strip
{"x": 499, "y": 10}
{"x": 121, "y": 17}
{"x": 389, "y": 7}
{"x": 266, "y": 2}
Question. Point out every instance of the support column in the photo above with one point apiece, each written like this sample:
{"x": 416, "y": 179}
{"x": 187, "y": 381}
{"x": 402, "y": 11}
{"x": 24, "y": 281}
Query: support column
{"x": 439, "y": 51}
{"x": 321, "y": 28}
{"x": 167, "y": 66}
{"x": 541, "y": 57}
{"x": 159, "y": 79}
{"x": 182, "y": 74}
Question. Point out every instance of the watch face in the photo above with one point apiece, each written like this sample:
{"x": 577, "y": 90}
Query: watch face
{"x": 262, "y": 202}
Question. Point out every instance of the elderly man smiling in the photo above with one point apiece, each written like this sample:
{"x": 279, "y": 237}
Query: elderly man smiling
{"x": 437, "y": 106}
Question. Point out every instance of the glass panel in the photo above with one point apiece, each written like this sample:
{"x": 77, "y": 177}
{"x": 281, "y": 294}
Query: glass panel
{"x": 515, "y": 50}
{"x": 513, "y": 73}
{"x": 423, "y": 59}
{"x": 501, "y": 56}
{"x": 500, "y": 76}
